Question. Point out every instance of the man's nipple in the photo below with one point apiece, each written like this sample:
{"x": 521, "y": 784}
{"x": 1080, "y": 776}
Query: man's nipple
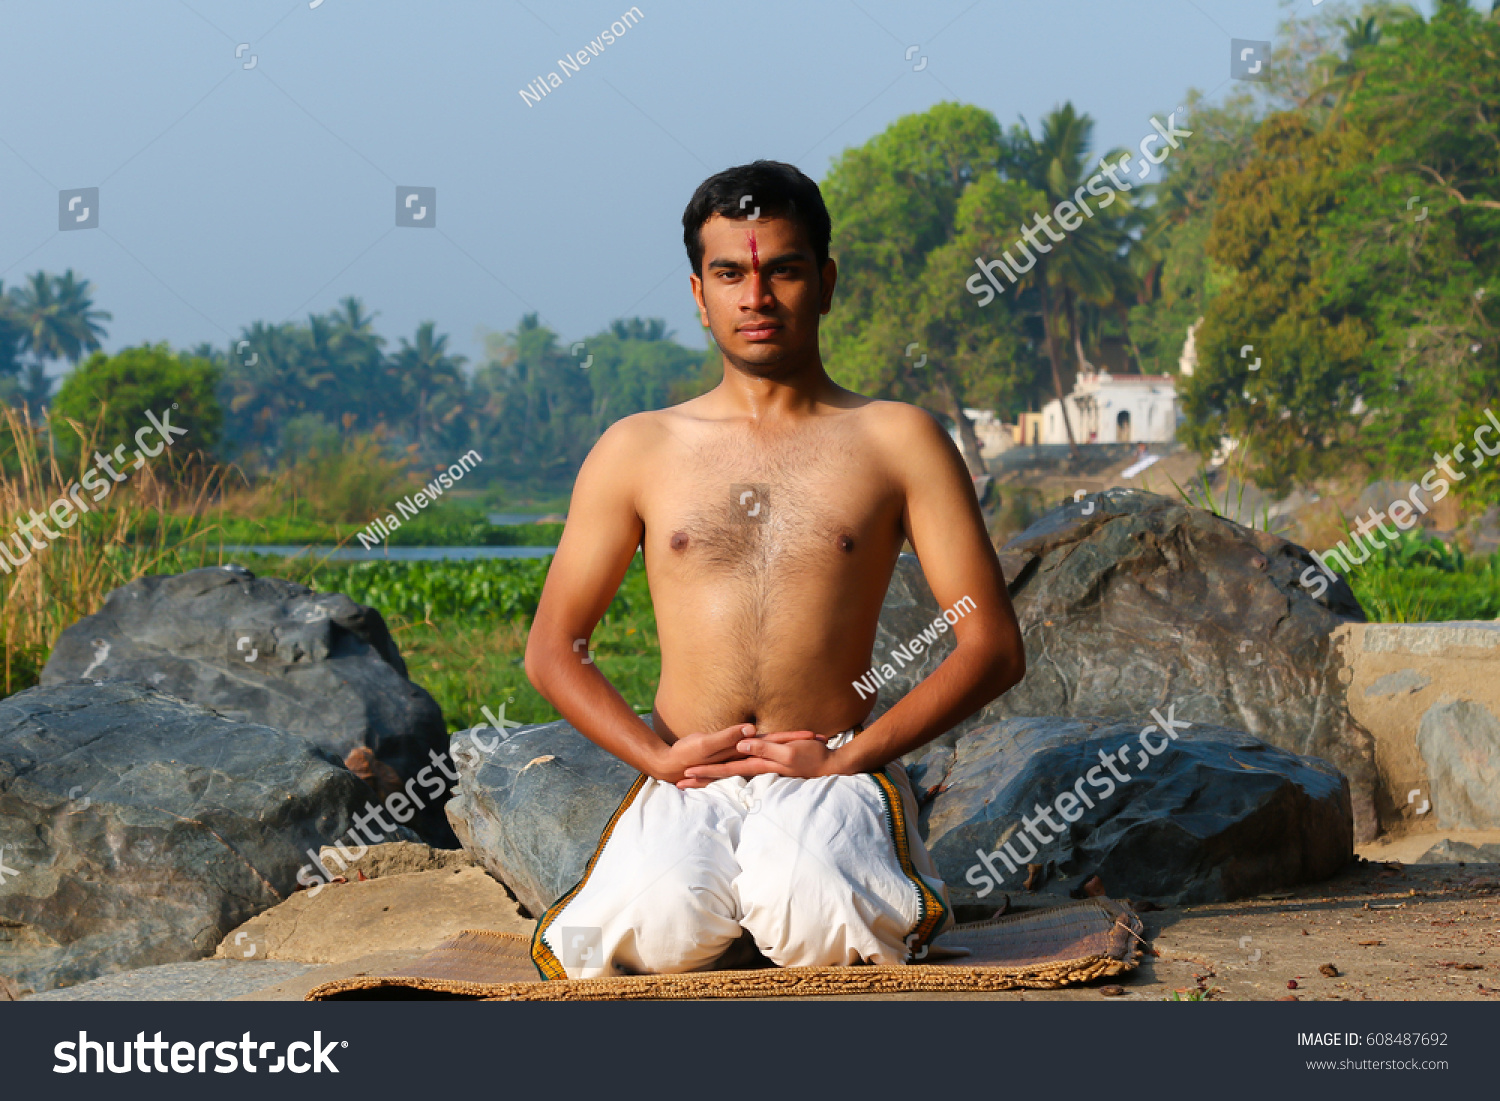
{"x": 846, "y": 543}
{"x": 679, "y": 540}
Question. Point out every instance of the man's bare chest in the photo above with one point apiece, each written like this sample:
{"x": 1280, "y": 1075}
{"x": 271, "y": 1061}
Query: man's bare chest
{"x": 797, "y": 507}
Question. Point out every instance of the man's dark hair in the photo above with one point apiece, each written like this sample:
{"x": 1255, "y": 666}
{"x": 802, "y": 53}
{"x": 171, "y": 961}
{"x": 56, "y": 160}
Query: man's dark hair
{"x": 776, "y": 188}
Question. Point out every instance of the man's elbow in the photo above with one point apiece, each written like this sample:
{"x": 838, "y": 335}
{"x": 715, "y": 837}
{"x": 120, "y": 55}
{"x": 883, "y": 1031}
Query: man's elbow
{"x": 1006, "y": 670}
{"x": 539, "y": 663}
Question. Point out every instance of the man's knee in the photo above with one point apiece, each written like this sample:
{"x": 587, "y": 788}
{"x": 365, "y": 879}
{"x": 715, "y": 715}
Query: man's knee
{"x": 677, "y": 922}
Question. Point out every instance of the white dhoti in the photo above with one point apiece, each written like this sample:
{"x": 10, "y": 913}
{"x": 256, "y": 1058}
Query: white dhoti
{"x": 819, "y": 872}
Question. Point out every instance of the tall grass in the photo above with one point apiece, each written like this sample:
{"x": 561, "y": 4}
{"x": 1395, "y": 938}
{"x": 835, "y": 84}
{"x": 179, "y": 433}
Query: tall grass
{"x": 59, "y": 581}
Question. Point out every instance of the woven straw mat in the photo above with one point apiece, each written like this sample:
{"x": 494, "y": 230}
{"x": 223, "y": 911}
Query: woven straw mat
{"x": 1040, "y": 949}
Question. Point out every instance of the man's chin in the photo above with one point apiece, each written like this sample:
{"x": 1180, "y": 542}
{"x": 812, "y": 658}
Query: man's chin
{"x": 762, "y": 360}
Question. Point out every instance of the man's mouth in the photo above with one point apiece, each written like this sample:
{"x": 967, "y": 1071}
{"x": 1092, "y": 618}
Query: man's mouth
{"x": 759, "y": 330}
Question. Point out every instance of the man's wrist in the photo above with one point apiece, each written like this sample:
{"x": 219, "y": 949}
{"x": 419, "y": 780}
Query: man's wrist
{"x": 656, "y": 759}
{"x": 846, "y": 760}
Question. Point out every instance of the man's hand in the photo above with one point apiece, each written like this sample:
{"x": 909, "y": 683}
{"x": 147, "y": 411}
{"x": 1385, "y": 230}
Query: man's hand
{"x": 699, "y": 749}
{"x": 784, "y": 753}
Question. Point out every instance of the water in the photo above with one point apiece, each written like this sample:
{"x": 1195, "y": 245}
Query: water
{"x": 391, "y": 554}
{"x": 515, "y": 517}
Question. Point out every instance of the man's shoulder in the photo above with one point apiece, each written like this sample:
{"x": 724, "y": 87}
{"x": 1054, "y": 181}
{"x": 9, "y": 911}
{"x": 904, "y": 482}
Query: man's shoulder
{"x": 899, "y": 420}
{"x": 635, "y": 431}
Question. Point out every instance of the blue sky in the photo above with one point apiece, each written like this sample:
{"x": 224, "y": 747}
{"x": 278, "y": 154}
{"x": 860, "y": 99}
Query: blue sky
{"x": 231, "y": 193}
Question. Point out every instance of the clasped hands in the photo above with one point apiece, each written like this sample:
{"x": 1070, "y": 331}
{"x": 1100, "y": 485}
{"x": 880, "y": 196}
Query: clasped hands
{"x": 697, "y": 760}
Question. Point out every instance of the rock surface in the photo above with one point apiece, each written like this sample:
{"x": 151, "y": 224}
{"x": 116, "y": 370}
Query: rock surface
{"x": 138, "y": 829}
{"x": 264, "y": 650}
{"x": 1216, "y": 815}
{"x": 1144, "y": 602}
{"x": 410, "y": 912}
{"x": 1460, "y": 742}
{"x": 1448, "y": 851}
{"x": 395, "y": 858}
{"x": 532, "y": 809}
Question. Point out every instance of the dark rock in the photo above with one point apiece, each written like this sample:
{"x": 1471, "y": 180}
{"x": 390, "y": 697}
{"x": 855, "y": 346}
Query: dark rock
{"x": 1145, "y": 602}
{"x": 138, "y": 829}
{"x": 1217, "y": 815}
{"x": 533, "y": 808}
{"x": 323, "y": 666}
{"x": 1460, "y": 742}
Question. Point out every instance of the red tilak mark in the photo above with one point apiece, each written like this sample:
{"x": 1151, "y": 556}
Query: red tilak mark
{"x": 754, "y": 253}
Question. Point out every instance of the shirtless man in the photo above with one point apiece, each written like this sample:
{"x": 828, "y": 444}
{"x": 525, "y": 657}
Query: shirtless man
{"x": 771, "y": 512}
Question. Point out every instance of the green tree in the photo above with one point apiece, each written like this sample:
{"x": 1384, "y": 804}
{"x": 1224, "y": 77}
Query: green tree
{"x": 57, "y": 320}
{"x": 429, "y": 379}
{"x": 902, "y": 326}
{"x": 117, "y": 391}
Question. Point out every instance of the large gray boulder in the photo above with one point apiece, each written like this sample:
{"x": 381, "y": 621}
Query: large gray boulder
{"x": 1205, "y": 816}
{"x": 264, "y": 650}
{"x": 1131, "y": 600}
{"x": 138, "y": 829}
{"x": 532, "y": 807}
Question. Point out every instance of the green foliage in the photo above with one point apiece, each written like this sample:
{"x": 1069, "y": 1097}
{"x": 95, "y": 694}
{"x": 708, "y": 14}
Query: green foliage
{"x": 1364, "y": 238}
{"x": 482, "y": 590}
{"x": 911, "y": 209}
{"x": 118, "y": 390}
{"x": 438, "y": 526}
{"x": 1420, "y": 579}
{"x": 50, "y": 317}
{"x": 542, "y": 406}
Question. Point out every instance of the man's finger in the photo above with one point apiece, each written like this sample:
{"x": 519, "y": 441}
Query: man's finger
{"x": 767, "y": 750}
{"x": 782, "y": 736}
{"x": 721, "y": 740}
{"x": 748, "y": 767}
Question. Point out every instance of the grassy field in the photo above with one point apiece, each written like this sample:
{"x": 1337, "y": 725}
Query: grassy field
{"x": 439, "y": 529}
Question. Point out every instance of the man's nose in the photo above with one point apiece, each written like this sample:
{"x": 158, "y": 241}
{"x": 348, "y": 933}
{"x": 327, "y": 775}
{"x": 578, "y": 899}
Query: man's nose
{"x": 757, "y": 290}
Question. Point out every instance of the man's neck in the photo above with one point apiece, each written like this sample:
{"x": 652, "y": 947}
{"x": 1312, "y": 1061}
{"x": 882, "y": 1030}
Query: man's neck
{"x": 798, "y": 392}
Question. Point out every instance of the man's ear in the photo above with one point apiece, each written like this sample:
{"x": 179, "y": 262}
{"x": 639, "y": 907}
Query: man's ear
{"x": 828, "y": 278}
{"x": 697, "y": 287}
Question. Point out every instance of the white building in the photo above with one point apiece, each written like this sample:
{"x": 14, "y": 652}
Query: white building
{"x": 1105, "y": 408}
{"x": 994, "y": 437}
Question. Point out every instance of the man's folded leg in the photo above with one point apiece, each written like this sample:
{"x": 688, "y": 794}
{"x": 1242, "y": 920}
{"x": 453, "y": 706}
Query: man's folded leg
{"x": 657, "y": 896}
{"x": 834, "y": 872}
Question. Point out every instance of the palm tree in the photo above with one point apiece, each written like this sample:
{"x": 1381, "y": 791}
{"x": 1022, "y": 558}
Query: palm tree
{"x": 11, "y": 331}
{"x": 1088, "y": 265}
{"x": 424, "y": 368}
{"x": 57, "y": 316}
{"x": 58, "y": 321}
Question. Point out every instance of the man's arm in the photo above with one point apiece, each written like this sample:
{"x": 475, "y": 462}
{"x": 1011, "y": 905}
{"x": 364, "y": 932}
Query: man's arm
{"x": 946, "y": 528}
{"x": 603, "y": 531}
{"x": 943, "y": 521}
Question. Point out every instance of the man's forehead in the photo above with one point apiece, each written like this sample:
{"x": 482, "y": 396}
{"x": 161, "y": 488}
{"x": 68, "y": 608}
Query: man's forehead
{"x": 721, "y": 234}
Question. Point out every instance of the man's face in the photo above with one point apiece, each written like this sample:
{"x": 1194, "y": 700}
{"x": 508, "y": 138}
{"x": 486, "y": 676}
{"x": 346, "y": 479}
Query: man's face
{"x": 760, "y": 292}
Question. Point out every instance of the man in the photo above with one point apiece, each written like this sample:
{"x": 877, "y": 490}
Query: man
{"x": 770, "y": 512}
